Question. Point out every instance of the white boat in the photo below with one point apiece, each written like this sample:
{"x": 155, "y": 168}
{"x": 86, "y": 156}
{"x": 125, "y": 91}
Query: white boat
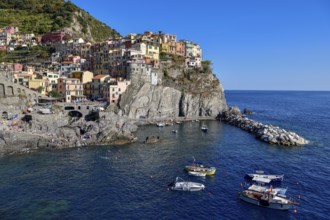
{"x": 260, "y": 186}
{"x": 267, "y": 200}
{"x": 181, "y": 185}
{"x": 194, "y": 173}
{"x": 263, "y": 189}
{"x": 175, "y": 131}
{"x": 178, "y": 122}
{"x": 260, "y": 174}
{"x": 204, "y": 128}
{"x": 160, "y": 124}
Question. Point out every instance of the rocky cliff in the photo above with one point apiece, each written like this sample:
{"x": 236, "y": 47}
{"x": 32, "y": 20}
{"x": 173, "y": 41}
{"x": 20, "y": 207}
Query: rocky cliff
{"x": 57, "y": 131}
{"x": 177, "y": 94}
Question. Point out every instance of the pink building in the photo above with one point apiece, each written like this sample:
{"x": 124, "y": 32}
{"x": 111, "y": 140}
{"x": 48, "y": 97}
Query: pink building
{"x": 114, "y": 89}
{"x": 17, "y": 67}
{"x": 10, "y": 29}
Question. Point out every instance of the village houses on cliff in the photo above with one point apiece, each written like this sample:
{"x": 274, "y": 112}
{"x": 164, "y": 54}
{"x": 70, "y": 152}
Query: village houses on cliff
{"x": 80, "y": 70}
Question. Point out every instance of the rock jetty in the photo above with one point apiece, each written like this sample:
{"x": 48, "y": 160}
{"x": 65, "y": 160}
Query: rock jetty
{"x": 267, "y": 133}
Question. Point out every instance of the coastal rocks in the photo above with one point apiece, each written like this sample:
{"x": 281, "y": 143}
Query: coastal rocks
{"x": 267, "y": 133}
{"x": 58, "y": 132}
{"x": 247, "y": 111}
{"x": 152, "y": 140}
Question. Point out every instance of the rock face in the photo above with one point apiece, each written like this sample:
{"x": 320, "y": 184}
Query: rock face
{"x": 176, "y": 95}
{"x": 151, "y": 102}
{"x": 60, "y": 131}
{"x": 267, "y": 133}
{"x": 152, "y": 140}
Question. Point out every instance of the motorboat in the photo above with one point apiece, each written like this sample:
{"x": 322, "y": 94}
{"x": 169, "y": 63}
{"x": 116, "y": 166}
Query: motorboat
{"x": 267, "y": 199}
{"x": 175, "y": 131}
{"x": 196, "y": 167}
{"x": 194, "y": 173}
{"x": 260, "y": 186}
{"x": 263, "y": 189}
{"x": 181, "y": 185}
{"x": 260, "y": 174}
{"x": 204, "y": 128}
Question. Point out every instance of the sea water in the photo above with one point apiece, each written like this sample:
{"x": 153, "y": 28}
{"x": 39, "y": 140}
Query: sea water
{"x": 130, "y": 181}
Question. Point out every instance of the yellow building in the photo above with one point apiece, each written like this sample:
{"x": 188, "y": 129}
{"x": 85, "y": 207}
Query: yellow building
{"x": 153, "y": 54}
{"x": 163, "y": 48}
{"x": 39, "y": 85}
{"x": 83, "y": 76}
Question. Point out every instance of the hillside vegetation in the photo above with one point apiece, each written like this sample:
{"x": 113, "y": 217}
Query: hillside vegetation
{"x": 41, "y": 16}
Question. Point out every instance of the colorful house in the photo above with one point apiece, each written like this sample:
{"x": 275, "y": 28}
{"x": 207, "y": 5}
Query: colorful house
{"x": 114, "y": 88}
{"x": 71, "y": 89}
{"x": 97, "y": 84}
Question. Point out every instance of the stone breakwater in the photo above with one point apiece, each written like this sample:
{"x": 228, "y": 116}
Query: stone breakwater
{"x": 267, "y": 133}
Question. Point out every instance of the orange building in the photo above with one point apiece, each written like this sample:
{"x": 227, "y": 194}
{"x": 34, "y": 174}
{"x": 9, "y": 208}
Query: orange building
{"x": 70, "y": 88}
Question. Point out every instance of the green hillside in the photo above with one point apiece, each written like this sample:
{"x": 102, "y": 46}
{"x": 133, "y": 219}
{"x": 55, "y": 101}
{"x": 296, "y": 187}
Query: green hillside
{"x": 41, "y": 16}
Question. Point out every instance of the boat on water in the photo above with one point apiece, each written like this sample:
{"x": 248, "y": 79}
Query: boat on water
{"x": 194, "y": 173}
{"x": 196, "y": 167}
{"x": 260, "y": 186}
{"x": 175, "y": 131}
{"x": 204, "y": 128}
{"x": 178, "y": 122}
{"x": 267, "y": 199}
{"x": 260, "y": 174}
{"x": 160, "y": 124}
{"x": 181, "y": 185}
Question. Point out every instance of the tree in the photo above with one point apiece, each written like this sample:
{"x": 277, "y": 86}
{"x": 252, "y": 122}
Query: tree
{"x": 40, "y": 89}
{"x": 206, "y": 65}
{"x": 54, "y": 94}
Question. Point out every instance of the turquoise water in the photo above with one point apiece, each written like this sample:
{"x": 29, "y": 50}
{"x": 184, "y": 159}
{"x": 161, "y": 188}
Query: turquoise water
{"x": 130, "y": 182}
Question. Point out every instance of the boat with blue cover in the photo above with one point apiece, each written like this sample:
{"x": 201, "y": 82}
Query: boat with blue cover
{"x": 261, "y": 174}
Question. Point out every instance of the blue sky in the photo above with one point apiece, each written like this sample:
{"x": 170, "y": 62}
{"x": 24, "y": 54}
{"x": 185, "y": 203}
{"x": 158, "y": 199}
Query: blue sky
{"x": 253, "y": 44}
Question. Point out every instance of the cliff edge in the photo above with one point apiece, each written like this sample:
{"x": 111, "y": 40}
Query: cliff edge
{"x": 178, "y": 93}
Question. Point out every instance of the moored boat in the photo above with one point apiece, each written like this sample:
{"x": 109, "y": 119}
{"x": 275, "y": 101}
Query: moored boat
{"x": 267, "y": 199}
{"x": 260, "y": 174}
{"x": 181, "y": 185}
{"x": 204, "y": 128}
{"x": 195, "y": 167}
{"x": 260, "y": 186}
{"x": 194, "y": 173}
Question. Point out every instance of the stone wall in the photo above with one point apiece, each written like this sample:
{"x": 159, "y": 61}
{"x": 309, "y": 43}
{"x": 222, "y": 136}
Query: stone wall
{"x": 10, "y": 89}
